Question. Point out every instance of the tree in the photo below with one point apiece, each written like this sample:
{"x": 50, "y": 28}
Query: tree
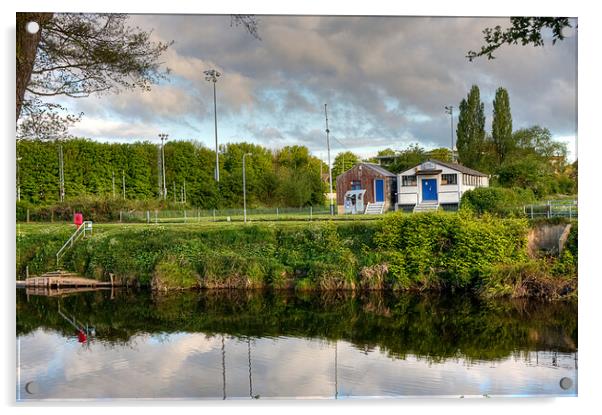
{"x": 410, "y": 157}
{"x": 441, "y": 154}
{"x": 502, "y": 125}
{"x": 471, "y": 129}
{"x": 77, "y": 54}
{"x": 343, "y": 162}
{"x": 526, "y": 30}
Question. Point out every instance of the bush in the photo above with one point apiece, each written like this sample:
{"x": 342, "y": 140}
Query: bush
{"x": 497, "y": 200}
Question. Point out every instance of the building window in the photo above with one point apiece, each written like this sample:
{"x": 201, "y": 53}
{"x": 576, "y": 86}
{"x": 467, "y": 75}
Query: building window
{"x": 408, "y": 180}
{"x": 449, "y": 179}
{"x": 356, "y": 185}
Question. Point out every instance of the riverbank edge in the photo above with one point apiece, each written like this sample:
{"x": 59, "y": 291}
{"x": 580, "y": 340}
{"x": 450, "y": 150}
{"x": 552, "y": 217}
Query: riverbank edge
{"x": 376, "y": 255}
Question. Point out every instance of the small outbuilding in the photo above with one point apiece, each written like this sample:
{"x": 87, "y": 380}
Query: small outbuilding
{"x": 435, "y": 184}
{"x": 366, "y": 188}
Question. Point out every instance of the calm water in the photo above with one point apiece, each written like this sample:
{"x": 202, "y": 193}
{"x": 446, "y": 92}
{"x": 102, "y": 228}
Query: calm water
{"x": 237, "y": 344}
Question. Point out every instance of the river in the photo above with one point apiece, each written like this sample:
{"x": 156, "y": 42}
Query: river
{"x": 125, "y": 344}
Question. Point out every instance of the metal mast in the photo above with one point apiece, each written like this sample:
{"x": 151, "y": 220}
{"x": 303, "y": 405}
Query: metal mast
{"x": 329, "y": 165}
{"x": 211, "y": 75}
{"x": 450, "y": 110}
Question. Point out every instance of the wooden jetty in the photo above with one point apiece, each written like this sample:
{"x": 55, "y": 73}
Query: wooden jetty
{"x": 58, "y": 279}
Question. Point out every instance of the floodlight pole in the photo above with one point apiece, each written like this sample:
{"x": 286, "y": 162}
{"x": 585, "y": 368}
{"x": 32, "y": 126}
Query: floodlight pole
{"x": 329, "y": 165}
{"x": 163, "y": 137}
{"x": 450, "y": 110}
{"x": 211, "y": 75}
{"x": 244, "y": 186}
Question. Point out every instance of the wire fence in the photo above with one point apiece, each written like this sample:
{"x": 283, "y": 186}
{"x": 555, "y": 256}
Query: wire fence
{"x": 224, "y": 215}
{"x": 552, "y": 209}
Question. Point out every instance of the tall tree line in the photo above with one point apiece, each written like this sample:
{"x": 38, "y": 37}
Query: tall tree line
{"x": 526, "y": 158}
{"x": 286, "y": 177}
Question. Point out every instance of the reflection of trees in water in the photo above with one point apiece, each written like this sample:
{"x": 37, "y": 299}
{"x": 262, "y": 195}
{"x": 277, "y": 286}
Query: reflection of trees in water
{"x": 430, "y": 326}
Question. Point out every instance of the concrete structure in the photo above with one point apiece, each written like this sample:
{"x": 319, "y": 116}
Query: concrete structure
{"x": 380, "y": 186}
{"x": 436, "y": 183}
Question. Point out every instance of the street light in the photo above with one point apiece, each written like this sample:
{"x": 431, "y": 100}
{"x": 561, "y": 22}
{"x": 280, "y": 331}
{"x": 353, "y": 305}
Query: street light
{"x": 211, "y": 75}
{"x": 329, "y": 165}
{"x": 163, "y": 137}
{"x": 450, "y": 110}
{"x": 244, "y": 186}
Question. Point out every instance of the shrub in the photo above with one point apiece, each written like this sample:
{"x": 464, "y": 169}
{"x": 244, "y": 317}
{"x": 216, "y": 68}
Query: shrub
{"x": 497, "y": 200}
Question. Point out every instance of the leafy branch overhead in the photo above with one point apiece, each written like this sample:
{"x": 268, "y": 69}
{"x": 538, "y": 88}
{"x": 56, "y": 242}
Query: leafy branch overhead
{"x": 526, "y": 30}
{"x": 81, "y": 54}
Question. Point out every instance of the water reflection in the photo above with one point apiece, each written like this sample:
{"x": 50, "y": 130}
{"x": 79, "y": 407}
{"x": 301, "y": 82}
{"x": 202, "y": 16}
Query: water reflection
{"x": 260, "y": 345}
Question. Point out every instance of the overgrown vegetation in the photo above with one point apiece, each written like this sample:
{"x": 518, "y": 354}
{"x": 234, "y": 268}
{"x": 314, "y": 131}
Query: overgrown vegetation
{"x": 431, "y": 251}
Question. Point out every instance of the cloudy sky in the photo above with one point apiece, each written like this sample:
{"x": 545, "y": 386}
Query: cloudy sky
{"x": 386, "y": 81}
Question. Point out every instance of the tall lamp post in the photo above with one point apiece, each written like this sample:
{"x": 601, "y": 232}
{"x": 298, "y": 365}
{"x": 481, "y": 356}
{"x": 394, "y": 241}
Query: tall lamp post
{"x": 450, "y": 110}
{"x": 329, "y": 165}
{"x": 244, "y": 185}
{"x": 163, "y": 138}
{"x": 211, "y": 75}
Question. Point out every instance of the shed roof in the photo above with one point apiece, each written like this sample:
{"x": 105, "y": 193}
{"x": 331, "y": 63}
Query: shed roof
{"x": 460, "y": 168}
{"x": 379, "y": 169}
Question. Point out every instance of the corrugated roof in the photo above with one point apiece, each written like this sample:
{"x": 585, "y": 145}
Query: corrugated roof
{"x": 380, "y": 170}
{"x": 459, "y": 167}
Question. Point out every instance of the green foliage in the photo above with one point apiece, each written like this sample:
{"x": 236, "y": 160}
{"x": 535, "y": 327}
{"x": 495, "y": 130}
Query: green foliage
{"x": 471, "y": 129}
{"x": 174, "y": 273}
{"x": 289, "y": 177}
{"x": 496, "y": 200}
{"x": 399, "y": 252}
{"x": 526, "y": 30}
{"x": 502, "y": 125}
{"x": 343, "y": 162}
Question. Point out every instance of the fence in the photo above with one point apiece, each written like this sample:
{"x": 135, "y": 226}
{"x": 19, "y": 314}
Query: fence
{"x": 552, "y": 209}
{"x": 187, "y": 215}
{"x": 223, "y": 215}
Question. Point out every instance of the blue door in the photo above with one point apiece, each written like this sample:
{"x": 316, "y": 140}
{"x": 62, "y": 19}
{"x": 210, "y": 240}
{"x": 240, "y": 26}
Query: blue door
{"x": 429, "y": 189}
{"x": 379, "y": 190}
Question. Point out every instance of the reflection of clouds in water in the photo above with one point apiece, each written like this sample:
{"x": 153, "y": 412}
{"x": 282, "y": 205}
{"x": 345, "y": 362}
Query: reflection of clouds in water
{"x": 190, "y": 365}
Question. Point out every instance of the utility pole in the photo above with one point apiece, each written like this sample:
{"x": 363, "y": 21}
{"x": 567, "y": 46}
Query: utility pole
{"x": 159, "y": 174}
{"x": 329, "y": 165}
{"x": 163, "y": 138}
{"x": 450, "y": 110}
{"x": 211, "y": 75}
{"x": 244, "y": 186}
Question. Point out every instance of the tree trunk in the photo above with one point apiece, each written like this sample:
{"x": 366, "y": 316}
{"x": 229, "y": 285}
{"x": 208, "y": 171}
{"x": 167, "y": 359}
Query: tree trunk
{"x": 27, "y": 46}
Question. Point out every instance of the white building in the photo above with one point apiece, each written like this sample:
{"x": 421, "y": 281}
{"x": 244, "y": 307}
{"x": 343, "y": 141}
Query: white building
{"x": 436, "y": 183}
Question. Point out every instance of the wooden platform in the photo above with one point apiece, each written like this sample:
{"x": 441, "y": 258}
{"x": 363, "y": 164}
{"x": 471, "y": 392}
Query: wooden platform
{"x": 59, "y": 279}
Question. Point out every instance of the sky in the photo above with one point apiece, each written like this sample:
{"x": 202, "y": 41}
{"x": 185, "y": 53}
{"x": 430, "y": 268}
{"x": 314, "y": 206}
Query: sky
{"x": 386, "y": 81}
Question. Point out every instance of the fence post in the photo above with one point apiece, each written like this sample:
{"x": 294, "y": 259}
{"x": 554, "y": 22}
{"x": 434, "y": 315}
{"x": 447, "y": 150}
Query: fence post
{"x": 276, "y": 213}
{"x": 52, "y": 215}
{"x": 311, "y": 211}
{"x": 120, "y": 216}
{"x": 549, "y": 209}
{"x": 156, "y": 216}
{"x": 27, "y": 215}
{"x": 213, "y": 215}
{"x": 147, "y": 216}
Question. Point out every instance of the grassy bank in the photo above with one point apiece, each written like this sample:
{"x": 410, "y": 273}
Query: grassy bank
{"x": 400, "y": 252}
